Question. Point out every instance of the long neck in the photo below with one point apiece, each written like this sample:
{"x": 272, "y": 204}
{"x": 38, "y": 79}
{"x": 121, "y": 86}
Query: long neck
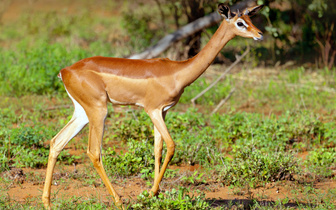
{"x": 199, "y": 63}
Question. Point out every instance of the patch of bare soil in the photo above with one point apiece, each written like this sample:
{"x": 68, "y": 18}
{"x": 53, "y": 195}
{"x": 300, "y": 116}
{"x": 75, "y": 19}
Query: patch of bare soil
{"x": 69, "y": 181}
{"x": 26, "y": 184}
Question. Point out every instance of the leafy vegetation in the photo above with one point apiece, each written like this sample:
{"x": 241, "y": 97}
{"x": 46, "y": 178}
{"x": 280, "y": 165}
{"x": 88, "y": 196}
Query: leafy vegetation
{"x": 175, "y": 199}
{"x": 26, "y": 71}
{"x": 251, "y": 167}
{"x": 277, "y": 129}
{"x": 23, "y": 147}
{"x": 235, "y": 149}
{"x": 138, "y": 159}
{"x": 321, "y": 161}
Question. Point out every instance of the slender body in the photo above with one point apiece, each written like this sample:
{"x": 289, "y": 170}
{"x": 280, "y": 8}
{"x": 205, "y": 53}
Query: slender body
{"x": 154, "y": 84}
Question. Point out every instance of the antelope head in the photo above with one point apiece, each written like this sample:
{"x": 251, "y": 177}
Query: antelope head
{"x": 240, "y": 22}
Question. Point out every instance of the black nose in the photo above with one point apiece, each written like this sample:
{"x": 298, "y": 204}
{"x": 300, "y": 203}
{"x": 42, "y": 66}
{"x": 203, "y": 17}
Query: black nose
{"x": 260, "y": 33}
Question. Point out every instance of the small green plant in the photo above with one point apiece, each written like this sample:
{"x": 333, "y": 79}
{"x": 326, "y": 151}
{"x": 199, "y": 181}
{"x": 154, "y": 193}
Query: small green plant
{"x": 28, "y": 137}
{"x": 23, "y": 147}
{"x": 78, "y": 202}
{"x": 33, "y": 73}
{"x": 253, "y": 167}
{"x": 195, "y": 178}
{"x": 294, "y": 129}
{"x": 320, "y": 162}
{"x": 138, "y": 159}
{"x": 4, "y": 165}
{"x": 174, "y": 199}
{"x": 135, "y": 125}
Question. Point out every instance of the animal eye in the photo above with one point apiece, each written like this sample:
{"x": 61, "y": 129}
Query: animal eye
{"x": 240, "y": 24}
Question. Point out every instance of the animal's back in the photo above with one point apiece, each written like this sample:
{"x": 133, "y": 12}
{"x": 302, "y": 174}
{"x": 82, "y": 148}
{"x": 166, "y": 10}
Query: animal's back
{"x": 130, "y": 68}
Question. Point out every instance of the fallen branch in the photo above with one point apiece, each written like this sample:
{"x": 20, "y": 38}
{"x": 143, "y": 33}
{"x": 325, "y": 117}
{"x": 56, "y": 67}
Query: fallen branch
{"x": 222, "y": 102}
{"x": 178, "y": 35}
{"x": 239, "y": 58}
{"x": 186, "y": 31}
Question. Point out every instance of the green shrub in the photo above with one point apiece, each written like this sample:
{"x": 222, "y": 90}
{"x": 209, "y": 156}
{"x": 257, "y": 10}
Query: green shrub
{"x": 28, "y": 137}
{"x": 139, "y": 158}
{"x": 174, "y": 199}
{"x": 34, "y": 70}
{"x": 253, "y": 167}
{"x": 23, "y": 147}
{"x": 191, "y": 135}
{"x": 4, "y": 162}
{"x": 297, "y": 129}
{"x": 321, "y": 161}
{"x": 135, "y": 125}
{"x": 34, "y": 158}
{"x": 195, "y": 179}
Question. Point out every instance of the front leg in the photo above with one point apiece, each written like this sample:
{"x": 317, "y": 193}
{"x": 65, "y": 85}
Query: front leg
{"x": 158, "y": 144}
{"x": 158, "y": 121}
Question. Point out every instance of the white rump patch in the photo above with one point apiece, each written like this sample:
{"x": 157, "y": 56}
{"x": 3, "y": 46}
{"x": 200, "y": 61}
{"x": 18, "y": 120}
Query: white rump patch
{"x": 79, "y": 110}
{"x": 79, "y": 114}
{"x": 78, "y": 121}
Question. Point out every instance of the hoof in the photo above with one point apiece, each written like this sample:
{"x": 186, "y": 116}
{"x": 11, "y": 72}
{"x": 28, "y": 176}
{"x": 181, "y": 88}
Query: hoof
{"x": 154, "y": 192}
{"x": 118, "y": 203}
{"x": 46, "y": 203}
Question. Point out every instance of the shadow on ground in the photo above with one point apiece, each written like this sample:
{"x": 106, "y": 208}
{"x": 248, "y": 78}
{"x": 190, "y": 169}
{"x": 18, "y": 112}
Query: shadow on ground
{"x": 254, "y": 204}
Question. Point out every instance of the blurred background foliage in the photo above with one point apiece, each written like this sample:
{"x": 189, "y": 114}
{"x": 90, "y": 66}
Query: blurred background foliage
{"x": 38, "y": 38}
{"x": 299, "y": 31}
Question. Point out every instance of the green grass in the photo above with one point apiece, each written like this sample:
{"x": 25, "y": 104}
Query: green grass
{"x": 137, "y": 159}
{"x": 253, "y": 141}
{"x": 236, "y": 148}
{"x": 321, "y": 161}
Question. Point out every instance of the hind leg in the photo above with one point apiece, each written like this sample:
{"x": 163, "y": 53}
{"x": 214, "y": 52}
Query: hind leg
{"x": 78, "y": 121}
{"x": 97, "y": 115}
{"x": 88, "y": 89}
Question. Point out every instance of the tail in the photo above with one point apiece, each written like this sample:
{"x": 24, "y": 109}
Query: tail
{"x": 59, "y": 75}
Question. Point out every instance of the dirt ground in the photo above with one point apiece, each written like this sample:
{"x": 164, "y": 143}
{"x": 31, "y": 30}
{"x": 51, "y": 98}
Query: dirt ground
{"x": 28, "y": 183}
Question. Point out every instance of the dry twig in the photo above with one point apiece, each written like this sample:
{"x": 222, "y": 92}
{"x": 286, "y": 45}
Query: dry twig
{"x": 59, "y": 107}
{"x": 239, "y": 58}
{"x": 223, "y": 101}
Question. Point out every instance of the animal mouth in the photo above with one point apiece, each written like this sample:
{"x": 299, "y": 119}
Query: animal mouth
{"x": 258, "y": 38}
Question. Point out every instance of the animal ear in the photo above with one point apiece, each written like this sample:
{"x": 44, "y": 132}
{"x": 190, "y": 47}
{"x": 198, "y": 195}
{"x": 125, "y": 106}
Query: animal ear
{"x": 253, "y": 10}
{"x": 225, "y": 11}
